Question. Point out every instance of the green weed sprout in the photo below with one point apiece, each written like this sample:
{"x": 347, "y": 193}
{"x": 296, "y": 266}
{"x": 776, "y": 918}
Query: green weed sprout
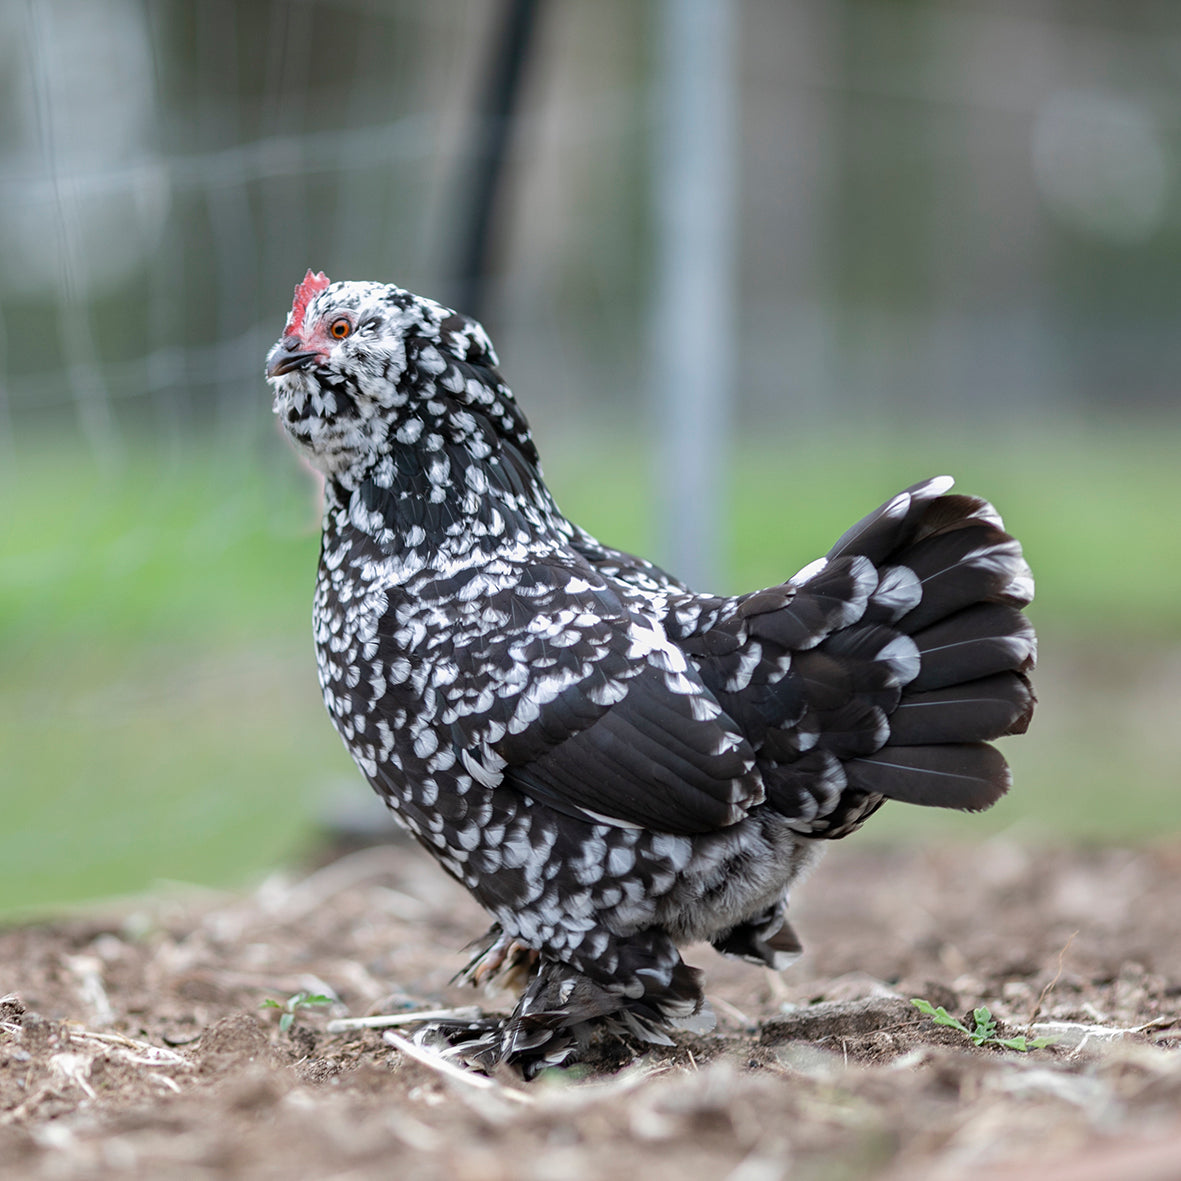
{"x": 984, "y": 1033}
{"x": 292, "y": 1005}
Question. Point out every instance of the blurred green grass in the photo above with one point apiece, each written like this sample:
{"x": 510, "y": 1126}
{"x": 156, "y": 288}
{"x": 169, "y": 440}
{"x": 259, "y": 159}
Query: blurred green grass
{"x": 159, "y": 715}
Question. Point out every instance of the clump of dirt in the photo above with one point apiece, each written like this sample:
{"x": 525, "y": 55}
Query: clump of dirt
{"x": 133, "y": 1042}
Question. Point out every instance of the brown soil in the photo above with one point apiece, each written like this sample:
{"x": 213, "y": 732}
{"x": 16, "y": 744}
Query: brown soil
{"x": 132, "y": 1044}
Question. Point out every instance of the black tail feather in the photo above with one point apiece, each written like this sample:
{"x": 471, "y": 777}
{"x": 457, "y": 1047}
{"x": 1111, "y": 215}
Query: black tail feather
{"x": 974, "y": 711}
{"x": 960, "y": 567}
{"x": 976, "y": 642}
{"x": 967, "y": 776}
{"x": 895, "y": 523}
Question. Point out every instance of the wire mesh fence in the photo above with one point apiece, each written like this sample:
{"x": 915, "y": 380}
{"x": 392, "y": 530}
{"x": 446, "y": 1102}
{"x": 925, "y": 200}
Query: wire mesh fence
{"x": 944, "y": 209}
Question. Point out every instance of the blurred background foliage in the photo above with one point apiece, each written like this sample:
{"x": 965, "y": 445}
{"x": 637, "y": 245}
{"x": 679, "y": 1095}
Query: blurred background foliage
{"x": 957, "y": 248}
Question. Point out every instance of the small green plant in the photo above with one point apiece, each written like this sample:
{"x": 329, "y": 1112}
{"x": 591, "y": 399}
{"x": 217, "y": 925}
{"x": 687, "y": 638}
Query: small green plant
{"x": 984, "y": 1033}
{"x": 292, "y": 1005}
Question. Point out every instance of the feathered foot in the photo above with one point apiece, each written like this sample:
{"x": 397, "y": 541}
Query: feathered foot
{"x": 562, "y": 1010}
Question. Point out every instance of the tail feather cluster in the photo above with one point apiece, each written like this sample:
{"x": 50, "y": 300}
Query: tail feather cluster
{"x": 902, "y": 703}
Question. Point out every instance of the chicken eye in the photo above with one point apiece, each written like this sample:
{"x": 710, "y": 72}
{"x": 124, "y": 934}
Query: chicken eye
{"x": 340, "y": 328}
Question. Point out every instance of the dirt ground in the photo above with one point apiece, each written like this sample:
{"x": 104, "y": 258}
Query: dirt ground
{"x": 132, "y": 1042}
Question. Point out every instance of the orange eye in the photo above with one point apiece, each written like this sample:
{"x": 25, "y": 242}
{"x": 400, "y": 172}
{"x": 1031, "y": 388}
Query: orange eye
{"x": 340, "y": 328}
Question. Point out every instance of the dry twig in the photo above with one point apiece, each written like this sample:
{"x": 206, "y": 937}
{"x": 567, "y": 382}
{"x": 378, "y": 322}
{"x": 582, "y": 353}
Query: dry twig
{"x": 1045, "y": 992}
{"x": 384, "y": 1020}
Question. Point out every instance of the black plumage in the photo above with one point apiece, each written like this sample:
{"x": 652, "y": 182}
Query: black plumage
{"x": 610, "y": 762}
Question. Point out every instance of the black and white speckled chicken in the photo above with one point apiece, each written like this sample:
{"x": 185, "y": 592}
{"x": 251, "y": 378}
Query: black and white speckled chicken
{"x": 612, "y": 763}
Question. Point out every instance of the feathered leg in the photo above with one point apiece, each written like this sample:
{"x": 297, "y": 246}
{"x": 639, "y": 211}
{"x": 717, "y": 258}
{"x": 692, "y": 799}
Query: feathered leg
{"x": 653, "y": 990}
{"x": 766, "y": 938}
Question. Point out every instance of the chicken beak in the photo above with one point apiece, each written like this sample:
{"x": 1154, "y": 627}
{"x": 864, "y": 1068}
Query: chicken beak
{"x": 287, "y": 355}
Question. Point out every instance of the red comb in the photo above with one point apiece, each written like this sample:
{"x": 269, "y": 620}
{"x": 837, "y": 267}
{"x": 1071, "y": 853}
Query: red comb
{"x": 311, "y": 286}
